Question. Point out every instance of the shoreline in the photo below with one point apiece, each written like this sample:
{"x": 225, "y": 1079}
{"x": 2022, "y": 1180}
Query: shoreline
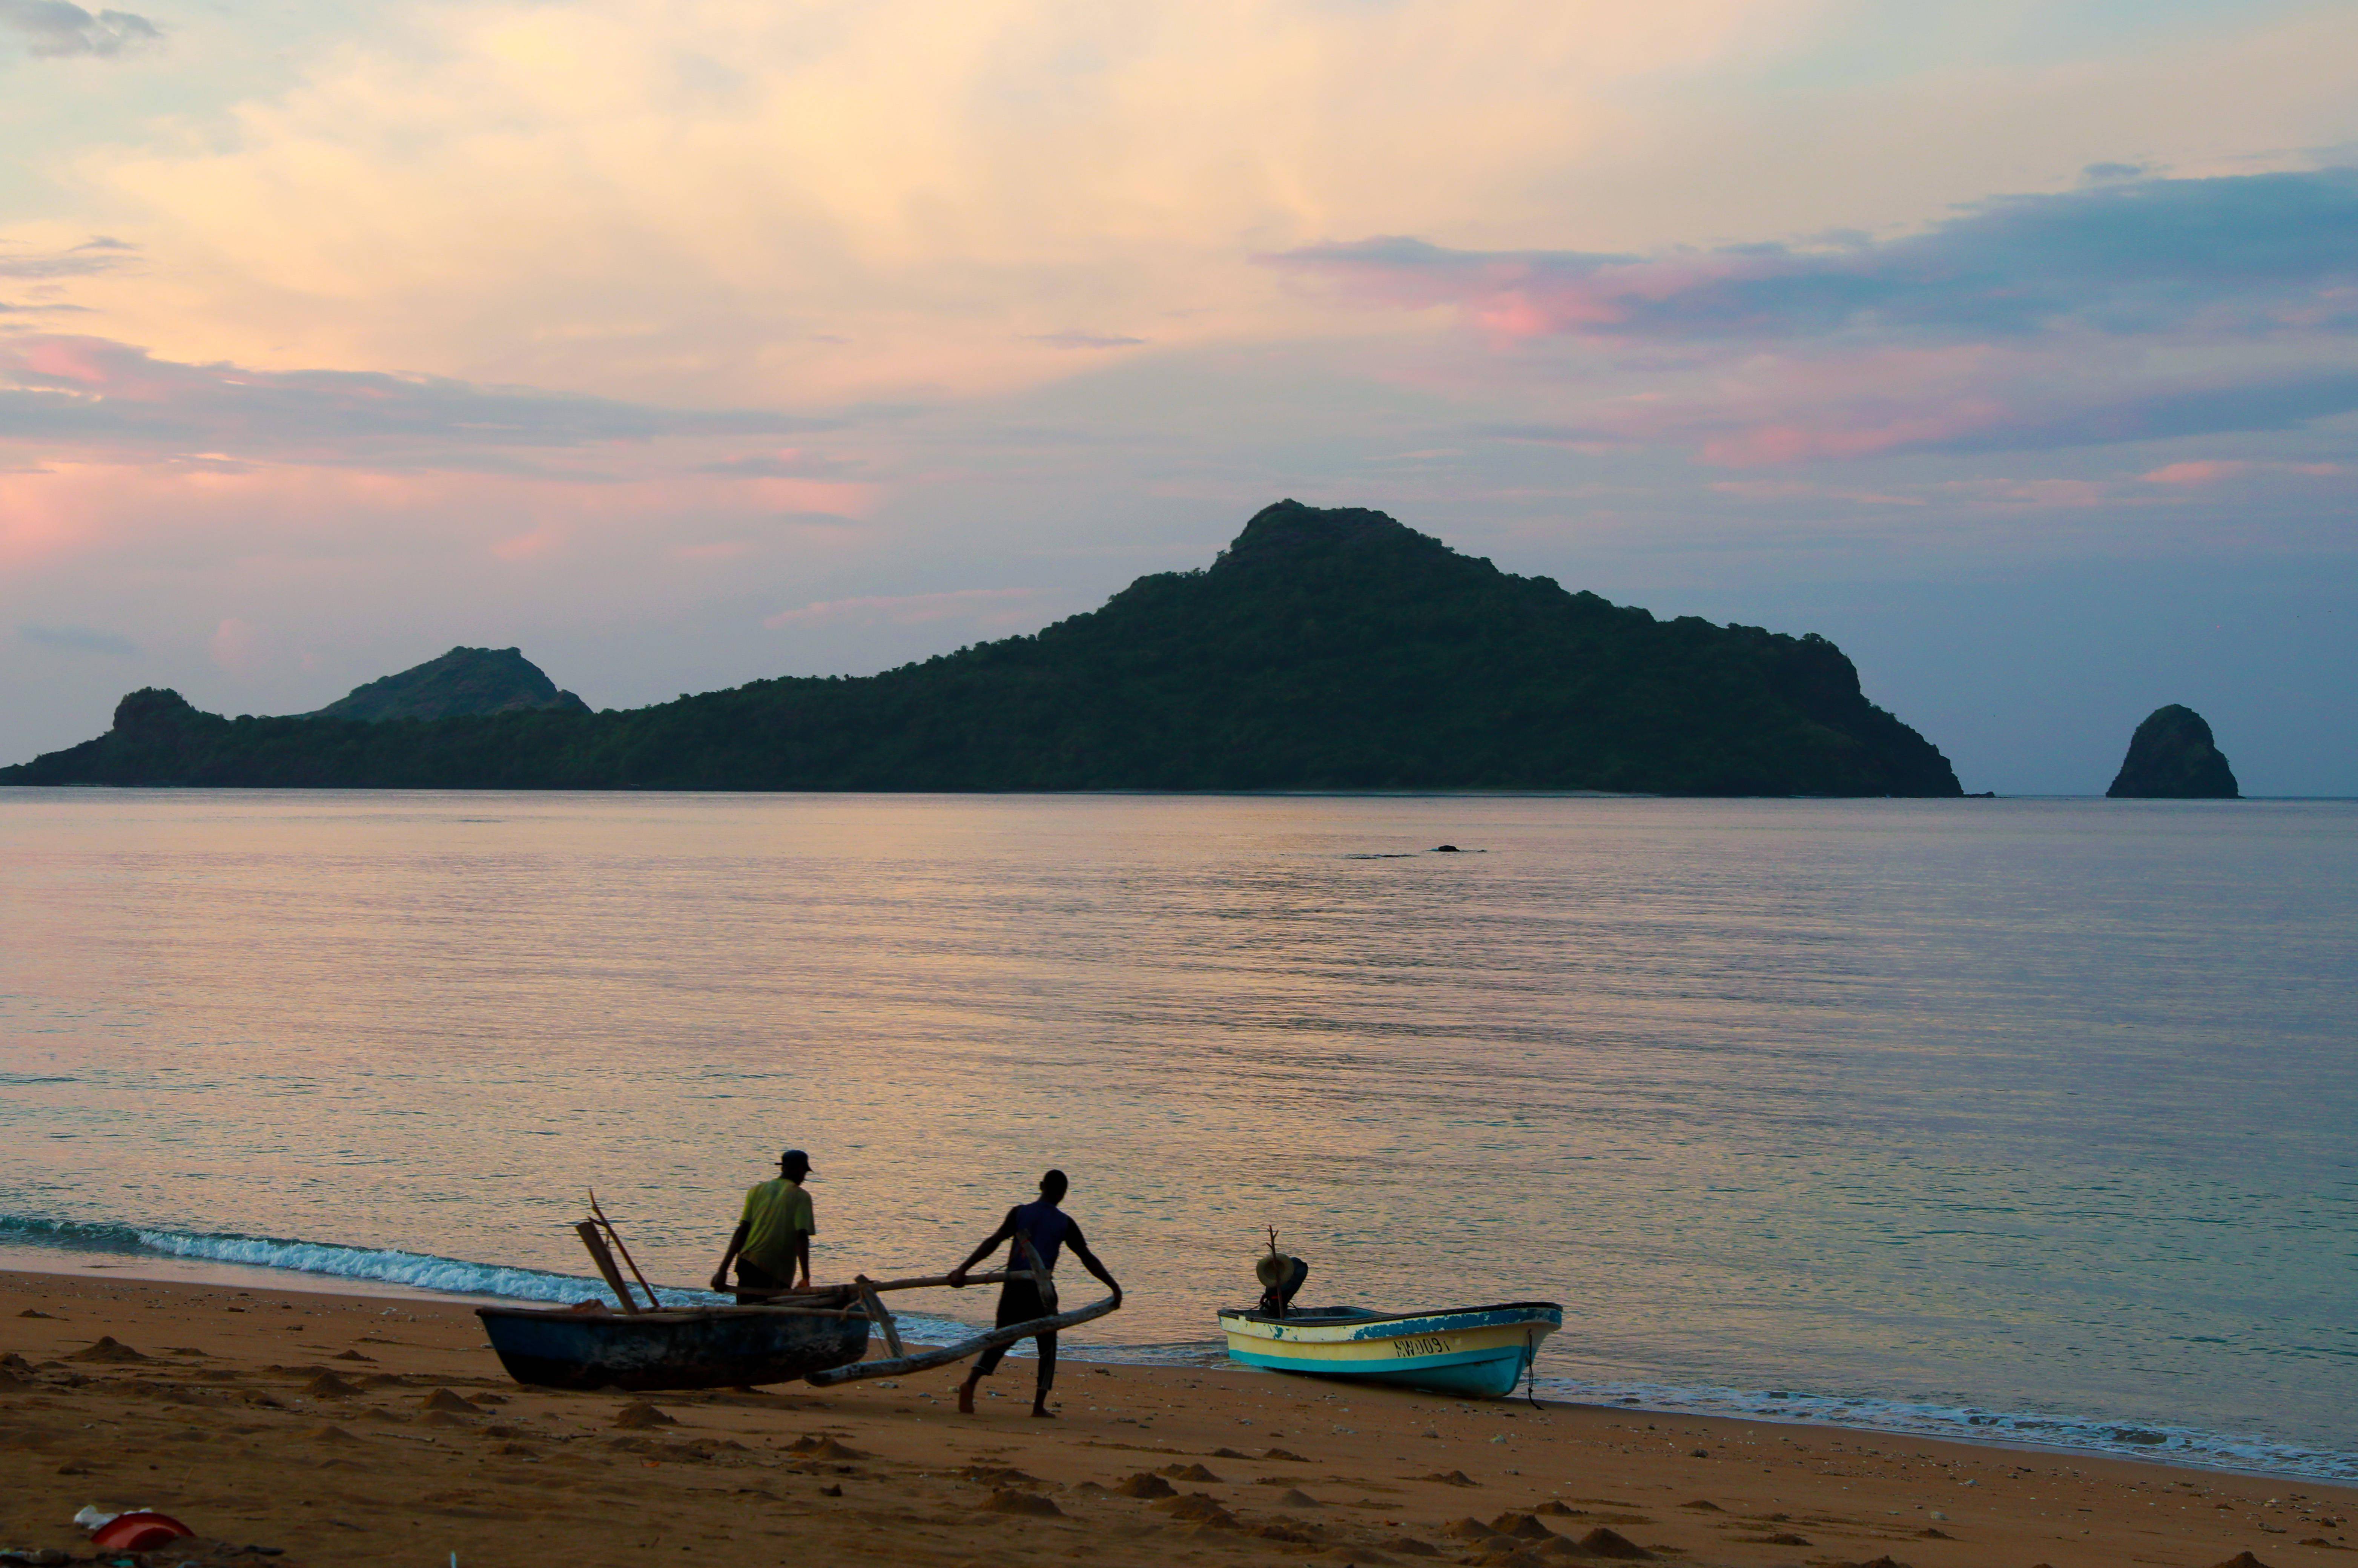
{"x": 1205, "y": 1356}
{"x": 301, "y": 1419}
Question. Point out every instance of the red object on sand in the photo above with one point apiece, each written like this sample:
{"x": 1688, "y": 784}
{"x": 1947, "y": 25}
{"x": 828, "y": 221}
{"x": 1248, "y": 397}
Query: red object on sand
{"x": 140, "y": 1532}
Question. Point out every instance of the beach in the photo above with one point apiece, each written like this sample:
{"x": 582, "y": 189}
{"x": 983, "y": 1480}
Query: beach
{"x": 362, "y": 1429}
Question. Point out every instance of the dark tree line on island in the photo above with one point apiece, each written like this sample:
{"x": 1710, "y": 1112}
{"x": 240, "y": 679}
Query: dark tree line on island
{"x": 1324, "y": 649}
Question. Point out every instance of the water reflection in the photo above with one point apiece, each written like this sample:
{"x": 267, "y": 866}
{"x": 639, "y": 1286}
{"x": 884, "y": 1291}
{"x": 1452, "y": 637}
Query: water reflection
{"x": 2008, "y": 1102}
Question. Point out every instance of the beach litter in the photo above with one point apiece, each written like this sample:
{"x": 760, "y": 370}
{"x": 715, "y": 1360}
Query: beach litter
{"x": 132, "y": 1529}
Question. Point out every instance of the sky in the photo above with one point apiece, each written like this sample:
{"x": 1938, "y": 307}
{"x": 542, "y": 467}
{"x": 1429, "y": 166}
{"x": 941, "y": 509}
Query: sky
{"x": 2013, "y": 345}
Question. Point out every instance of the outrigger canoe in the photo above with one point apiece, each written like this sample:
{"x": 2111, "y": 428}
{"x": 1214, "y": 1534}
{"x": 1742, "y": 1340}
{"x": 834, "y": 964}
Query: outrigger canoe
{"x": 820, "y": 1337}
{"x": 1481, "y": 1351}
{"x": 674, "y": 1347}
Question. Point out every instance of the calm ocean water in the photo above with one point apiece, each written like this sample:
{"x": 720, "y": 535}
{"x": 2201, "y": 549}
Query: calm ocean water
{"x": 2032, "y": 1119}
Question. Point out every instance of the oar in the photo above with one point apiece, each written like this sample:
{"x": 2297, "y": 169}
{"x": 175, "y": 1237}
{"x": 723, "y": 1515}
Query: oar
{"x": 653, "y": 1300}
{"x": 587, "y": 1231}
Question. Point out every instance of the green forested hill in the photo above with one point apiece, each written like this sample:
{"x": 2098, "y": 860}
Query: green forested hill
{"x": 1324, "y": 649}
{"x": 463, "y": 681}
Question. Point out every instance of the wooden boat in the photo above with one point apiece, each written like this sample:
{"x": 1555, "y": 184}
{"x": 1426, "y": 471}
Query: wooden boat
{"x": 1481, "y": 1351}
{"x": 674, "y": 1347}
{"x": 818, "y": 1335}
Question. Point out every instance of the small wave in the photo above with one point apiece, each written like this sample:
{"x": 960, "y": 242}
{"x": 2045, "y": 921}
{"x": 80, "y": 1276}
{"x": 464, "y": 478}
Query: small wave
{"x": 416, "y": 1271}
{"x": 2127, "y": 1439}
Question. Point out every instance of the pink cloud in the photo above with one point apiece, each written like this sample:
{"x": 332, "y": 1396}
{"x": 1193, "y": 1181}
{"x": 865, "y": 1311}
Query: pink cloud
{"x": 2207, "y": 472}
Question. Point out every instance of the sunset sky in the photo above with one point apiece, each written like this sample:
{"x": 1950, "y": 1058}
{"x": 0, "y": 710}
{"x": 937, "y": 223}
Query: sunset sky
{"x": 2012, "y": 345}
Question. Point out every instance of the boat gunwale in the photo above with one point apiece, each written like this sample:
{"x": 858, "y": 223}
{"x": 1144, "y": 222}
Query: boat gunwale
{"x": 1320, "y": 1319}
{"x": 668, "y": 1317}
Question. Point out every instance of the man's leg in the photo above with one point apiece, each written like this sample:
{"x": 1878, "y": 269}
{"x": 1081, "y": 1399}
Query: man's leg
{"x": 1018, "y": 1303}
{"x": 1047, "y": 1345}
{"x": 984, "y": 1366}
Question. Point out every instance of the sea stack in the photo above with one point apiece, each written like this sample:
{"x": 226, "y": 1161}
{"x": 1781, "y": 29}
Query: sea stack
{"x": 2172, "y": 757}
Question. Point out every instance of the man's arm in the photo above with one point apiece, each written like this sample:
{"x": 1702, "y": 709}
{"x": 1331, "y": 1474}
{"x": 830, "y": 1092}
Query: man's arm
{"x": 989, "y": 1245}
{"x": 801, "y": 1254}
{"x": 1089, "y": 1261}
{"x": 736, "y": 1245}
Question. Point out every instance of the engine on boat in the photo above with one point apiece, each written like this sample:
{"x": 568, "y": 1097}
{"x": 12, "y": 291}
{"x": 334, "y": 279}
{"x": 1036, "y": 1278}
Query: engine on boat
{"x": 1280, "y": 1277}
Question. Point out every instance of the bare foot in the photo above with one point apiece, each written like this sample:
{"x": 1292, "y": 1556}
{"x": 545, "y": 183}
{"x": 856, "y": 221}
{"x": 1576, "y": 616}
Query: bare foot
{"x": 966, "y": 1399}
{"x": 1043, "y": 1412}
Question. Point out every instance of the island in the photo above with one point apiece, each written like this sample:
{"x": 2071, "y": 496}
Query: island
{"x": 1324, "y": 649}
{"x": 2173, "y": 757}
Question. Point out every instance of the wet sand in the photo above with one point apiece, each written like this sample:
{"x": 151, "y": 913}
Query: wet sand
{"x": 360, "y": 1430}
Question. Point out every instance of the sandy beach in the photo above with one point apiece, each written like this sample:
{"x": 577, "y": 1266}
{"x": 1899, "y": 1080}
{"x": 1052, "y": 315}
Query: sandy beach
{"x": 354, "y": 1429}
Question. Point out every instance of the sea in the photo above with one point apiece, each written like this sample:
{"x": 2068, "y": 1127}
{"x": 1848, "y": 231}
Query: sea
{"x": 2032, "y": 1121}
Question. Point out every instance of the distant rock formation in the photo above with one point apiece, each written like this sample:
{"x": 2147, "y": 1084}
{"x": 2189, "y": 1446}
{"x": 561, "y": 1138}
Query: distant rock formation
{"x": 2172, "y": 757}
{"x": 463, "y": 683}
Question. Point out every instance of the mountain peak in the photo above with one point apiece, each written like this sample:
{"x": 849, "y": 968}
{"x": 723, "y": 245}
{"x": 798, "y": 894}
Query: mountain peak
{"x": 1287, "y": 531}
{"x": 462, "y": 682}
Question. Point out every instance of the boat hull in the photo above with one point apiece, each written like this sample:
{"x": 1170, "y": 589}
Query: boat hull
{"x": 720, "y": 1348}
{"x": 1478, "y": 1352}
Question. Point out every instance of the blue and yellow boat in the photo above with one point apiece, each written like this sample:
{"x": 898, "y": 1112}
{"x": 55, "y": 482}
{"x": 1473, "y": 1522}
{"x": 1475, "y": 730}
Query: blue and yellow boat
{"x": 1481, "y": 1351}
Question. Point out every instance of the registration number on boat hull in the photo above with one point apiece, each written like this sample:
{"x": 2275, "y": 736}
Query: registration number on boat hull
{"x": 1423, "y": 1345}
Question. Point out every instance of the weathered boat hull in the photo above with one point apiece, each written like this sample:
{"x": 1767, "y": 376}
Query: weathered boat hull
{"x": 719, "y": 1347}
{"x": 1481, "y": 1352}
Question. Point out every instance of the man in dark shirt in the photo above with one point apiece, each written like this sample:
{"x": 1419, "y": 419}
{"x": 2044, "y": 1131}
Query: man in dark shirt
{"x": 1047, "y": 1230}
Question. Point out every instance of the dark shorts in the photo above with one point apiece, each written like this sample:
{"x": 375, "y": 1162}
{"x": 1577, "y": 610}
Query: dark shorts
{"x": 1018, "y": 1301}
{"x": 754, "y": 1277}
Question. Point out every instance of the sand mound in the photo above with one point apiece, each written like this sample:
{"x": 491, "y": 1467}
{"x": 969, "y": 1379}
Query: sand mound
{"x": 328, "y": 1385}
{"x": 108, "y": 1349}
{"x": 996, "y": 1475}
{"x": 330, "y": 1434}
{"x": 449, "y": 1403}
{"x": 823, "y": 1447}
{"x": 1296, "y": 1498}
{"x": 1522, "y": 1526}
{"x": 1195, "y": 1473}
{"x": 1558, "y": 1510}
{"x": 1603, "y": 1543}
{"x": 2241, "y": 1560}
{"x": 351, "y": 1356}
{"x": 1468, "y": 1529}
{"x": 1449, "y": 1477}
{"x": 1195, "y": 1507}
{"x": 639, "y": 1414}
{"x": 1705, "y": 1506}
{"x": 1007, "y": 1500}
{"x": 1287, "y": 1456}
{"x": 1145, "y": 1484}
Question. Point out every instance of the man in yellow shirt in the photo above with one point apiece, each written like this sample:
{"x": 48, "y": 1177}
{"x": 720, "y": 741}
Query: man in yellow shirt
{"x": 773, "y": 1238}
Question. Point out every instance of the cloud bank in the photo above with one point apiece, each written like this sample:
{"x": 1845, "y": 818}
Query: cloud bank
{"x": 2138, "y": 309}
{"x": 57, "y": 30}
